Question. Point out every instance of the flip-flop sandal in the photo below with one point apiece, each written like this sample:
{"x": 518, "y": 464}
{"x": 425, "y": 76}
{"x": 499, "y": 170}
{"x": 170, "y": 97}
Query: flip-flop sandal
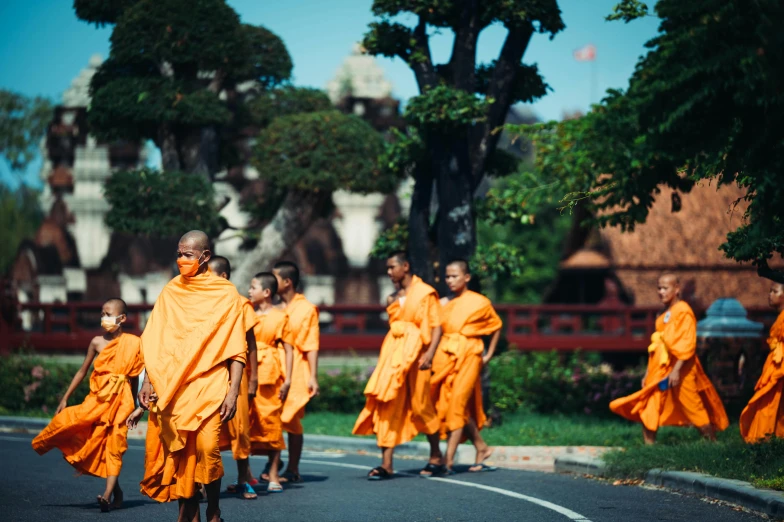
{"x": 381, "y": 474}
{"x": 482, "y": 468}
{"x": 266, "y": 471}
{"x": 432, "y": 470}
{"x": 274, "y": 487}
{"x": 103, "y": 503}
{"x": 232, "y": 488}
{"x": 246, "y": 492}
{"x": 450, "y": 472}
{"x": 253, "y": 482}
{"x": 290, "y": 478}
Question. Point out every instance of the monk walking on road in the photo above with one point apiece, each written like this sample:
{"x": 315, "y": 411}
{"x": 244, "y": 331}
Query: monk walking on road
{"x": 398, "y": 404}
{"x": 235, "y": 434}
{"x": 676, "y": 391}
{"x": 455, "y": 385}
{"x": 194, "y": 351}
{"x": 763, "y": 417}
{"x": 93, "y": 435}
{"x": 304, "y": 338}
{"x": 275, "y": 362}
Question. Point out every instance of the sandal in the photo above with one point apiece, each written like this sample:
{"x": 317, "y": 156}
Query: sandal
{"x": 103, "y": 503}
{"x": 479, "y": 468}
{"x": 274, "y": 487}
{"x": 245, "y": 491}
{"x": 380, "y": 474}
{"x": 232, "y": 488}
{"x": 432, "y": 470}
{"x": 290, "y": 477}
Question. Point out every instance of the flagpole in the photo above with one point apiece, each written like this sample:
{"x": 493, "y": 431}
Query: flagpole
{"x": 593, "y": 82}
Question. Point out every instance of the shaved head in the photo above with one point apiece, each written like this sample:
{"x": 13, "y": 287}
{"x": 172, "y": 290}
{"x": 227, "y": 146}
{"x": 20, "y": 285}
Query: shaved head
{"x": 267, "y": 281}
{"x": 220, "y": 265}
{"x": 288, "y": 270}
{"x": 670, "y": 276}
{"x": 400, "y": 256}
{"x": 118, "y": 304}
{"x": 197, "y": 239}
{"x": 461, "y": 264}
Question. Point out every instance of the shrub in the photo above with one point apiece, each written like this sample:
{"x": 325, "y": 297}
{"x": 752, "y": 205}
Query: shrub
{"x": 340, "y": 391}
{"x": 34, "y": 384}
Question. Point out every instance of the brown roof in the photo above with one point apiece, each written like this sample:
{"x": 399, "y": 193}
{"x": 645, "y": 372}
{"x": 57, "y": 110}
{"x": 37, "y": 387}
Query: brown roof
{"x": 586, "y": 259}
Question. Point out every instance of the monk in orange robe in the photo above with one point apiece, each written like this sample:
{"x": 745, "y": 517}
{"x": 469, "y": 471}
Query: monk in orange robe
{"x": 194, "y": 351}
{"x": 763, "y": 416}
{"x": 275, "y": 362}
{"x": 93, "y": 435}
{"x": 455, "y": 385}
{"x": 398, "y": 404}
{"x": 304, "y": 338}
{"x": 235, "y": 434}
{"x": 675, "y": 390}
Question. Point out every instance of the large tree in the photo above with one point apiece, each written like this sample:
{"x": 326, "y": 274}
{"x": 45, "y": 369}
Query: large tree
{"x": 461, "y": 104}
{"x": 23, "y": 122}
{"x": 188, "y": 75}
{"x": 705, "y": 103}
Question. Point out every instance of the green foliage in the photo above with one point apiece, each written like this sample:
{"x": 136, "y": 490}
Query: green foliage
{"x": 20, "y": 216}
{"x": 340, "y": 391}
{"x": 445, "y": 109}
{"x": 628, "y": 10}
{"x": 702, "y": 105}
{"x": 101, "y": 12}
{"x": 151, "y": 203}
{"x": 548, "y": 382}
{"x": 731, "y": 457}
{"x": 286, "y": 101}
{"x": 497, "y": 262}
{"x": 23, "y": 122}
{"x": 322, "y": 151}
{"x": 394, "y": 239}
{"x": 35, "y": 384}
{"x": 267, "y": 62}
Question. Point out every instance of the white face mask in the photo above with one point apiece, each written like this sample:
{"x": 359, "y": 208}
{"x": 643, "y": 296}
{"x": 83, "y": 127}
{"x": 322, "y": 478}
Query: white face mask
{"x": 110, "y": 323}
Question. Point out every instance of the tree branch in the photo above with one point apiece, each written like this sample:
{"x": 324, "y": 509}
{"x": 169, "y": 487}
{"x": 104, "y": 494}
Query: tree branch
{"x": 763, "y": 270}
{"x": 420, "y": 59}
{"x": 500, "y": 90}
{"x": 462, "y": 64}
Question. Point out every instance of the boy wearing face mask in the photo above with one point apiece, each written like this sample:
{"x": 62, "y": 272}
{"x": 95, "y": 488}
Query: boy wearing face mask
{"x": 93, "y": 435}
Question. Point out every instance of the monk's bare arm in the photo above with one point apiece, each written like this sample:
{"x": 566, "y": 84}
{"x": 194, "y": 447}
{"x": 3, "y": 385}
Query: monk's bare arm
{"x": 134, "y": 386}
{"x": 284, "y": 389}
{"x": 426, "y": 361}
{"x": 229, "y": 406}
{"x": 313, "y": 386}
{"x": 253, "y": 380}
{"x": 491, "y": 347}
{"x": 79, "y": 376}
{"x": 675, "y": 375}
{"x": 145, "y": 392}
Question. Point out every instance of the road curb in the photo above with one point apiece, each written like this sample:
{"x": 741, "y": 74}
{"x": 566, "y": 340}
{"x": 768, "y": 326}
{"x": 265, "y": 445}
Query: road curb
{"x": 737, "y": 492}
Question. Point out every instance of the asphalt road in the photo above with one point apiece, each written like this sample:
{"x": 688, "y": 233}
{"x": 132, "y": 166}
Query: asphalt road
{"x": 335, "y": 489}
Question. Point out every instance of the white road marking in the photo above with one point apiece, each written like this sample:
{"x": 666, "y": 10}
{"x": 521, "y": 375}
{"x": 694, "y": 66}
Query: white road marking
{"x": 15, "y": 439}
{"x": 568, "y": 513}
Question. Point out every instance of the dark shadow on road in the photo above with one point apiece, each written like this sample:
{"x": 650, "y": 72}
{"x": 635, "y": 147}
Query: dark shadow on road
{"x": 127, "y": 504}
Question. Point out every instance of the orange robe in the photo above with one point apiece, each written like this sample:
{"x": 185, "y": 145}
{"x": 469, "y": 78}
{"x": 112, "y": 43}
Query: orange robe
{"x": 455, "y": 385}
{"x": 266, "y": 427}
{"x": 235, "y": 434}
{"x": 763, "y": 417}
{"x": 93, "y": 435}
{"x": 398, "y": 404}
{"x": 196, "y": 327}
{"x": 694, "y": 402}
{"x": 303, "y": 337}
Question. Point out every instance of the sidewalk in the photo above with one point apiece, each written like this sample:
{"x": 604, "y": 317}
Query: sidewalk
{"x": 737, "y": 492}
{"x": 532, "y": 458}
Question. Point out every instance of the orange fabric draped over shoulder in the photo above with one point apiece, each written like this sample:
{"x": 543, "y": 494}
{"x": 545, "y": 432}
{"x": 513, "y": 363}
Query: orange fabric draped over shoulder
{"x": 196, "y": 327}
{"x": 398, "y": 404}
{"x": 763, "y": 417}
{"x": 93, "y": 435}
{"x": 455, "y": 385}
{"x": 266, "y": 426}
{"x": 303, "y": 337}
{"x": 695, "y": 401}
{"x": 235, "y": 434}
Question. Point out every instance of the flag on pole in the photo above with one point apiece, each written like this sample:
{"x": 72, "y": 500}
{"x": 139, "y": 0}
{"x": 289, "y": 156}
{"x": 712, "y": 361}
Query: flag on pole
{"x": 586, "y": 53}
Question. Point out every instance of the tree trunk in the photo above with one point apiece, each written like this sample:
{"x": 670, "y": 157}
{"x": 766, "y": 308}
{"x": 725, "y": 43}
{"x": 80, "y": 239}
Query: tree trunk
{"x": 294, "y": 217}
{"x": 199, "y": 152}
{"x": 456, "y": 217}
{"x": 167, "y": 142}
{"x": 419, "y": 244}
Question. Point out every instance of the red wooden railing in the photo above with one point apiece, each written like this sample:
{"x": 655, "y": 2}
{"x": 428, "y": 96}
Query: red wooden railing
{"x": 68, "y": 328}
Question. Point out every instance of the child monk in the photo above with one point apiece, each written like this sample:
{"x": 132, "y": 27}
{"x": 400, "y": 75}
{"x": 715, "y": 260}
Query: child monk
{"x": 304, "y": 337}
{"x": 398, "y": 405}
{"x": 675, "y": 390}
{"x": 763, "y": 416}
{"x": 93, "y": 435}
{"x": 455, "y": 385}
{"x": 275, "y": 362}
{"x": 235, "y": 434}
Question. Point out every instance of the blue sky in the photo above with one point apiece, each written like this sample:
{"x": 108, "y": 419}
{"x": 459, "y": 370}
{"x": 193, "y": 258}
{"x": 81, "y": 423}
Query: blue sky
{"x": 43, "y": 46}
